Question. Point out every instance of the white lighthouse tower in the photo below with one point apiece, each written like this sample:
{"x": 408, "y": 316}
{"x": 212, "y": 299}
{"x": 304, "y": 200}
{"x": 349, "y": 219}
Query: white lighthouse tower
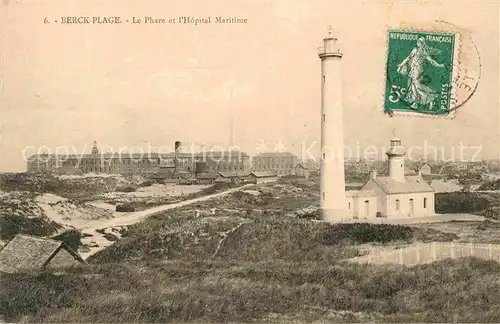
{"x": 333, "y": 201}
{"x": 396, "y": 155}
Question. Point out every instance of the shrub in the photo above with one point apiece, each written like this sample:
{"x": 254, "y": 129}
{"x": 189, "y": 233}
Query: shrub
{"x": 125, "y": 208}
{"x": 72, "y": 238}
{"x": 460, "y": 202}
{"x": 126, "y": 189}
{"x": 11, "y": 225}
{"x": 490, "y": 185}
{"x": 359, "y": 233}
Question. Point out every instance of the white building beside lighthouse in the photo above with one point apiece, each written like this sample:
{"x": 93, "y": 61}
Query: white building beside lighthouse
{"x": 393, "y": 196}
{"x": 399, "y": 195}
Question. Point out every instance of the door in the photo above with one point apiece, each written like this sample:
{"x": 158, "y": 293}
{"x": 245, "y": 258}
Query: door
{"x": 412, "y": 207}
{"x": 367, "y": 208}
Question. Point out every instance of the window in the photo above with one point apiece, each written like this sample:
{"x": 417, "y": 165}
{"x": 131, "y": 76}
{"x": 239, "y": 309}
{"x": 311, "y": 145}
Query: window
{"x": 425, "y": 202}
{"x": 397, "y": 204}
{"x": 349, "y": 206}
{"x": 323, "y": 196}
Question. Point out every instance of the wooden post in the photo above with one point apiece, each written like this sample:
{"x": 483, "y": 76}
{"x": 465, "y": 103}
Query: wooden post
{"x": 489, "y": 252}
{"x": 418, "y": 253}
{"x": 401, "y": 256}
{"x": 434, "y": 256}
{"x": 452, "y": 250}
{"x": 471, "y": 250}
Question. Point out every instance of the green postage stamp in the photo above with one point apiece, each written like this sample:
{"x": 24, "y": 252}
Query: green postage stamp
{"x": 421, "y": 69}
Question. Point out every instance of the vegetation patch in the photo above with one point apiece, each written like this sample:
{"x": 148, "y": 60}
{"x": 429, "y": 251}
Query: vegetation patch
{"x": 490, "y": 185}
{"x": 11, "y": 225}
{"x": 72, "y": 238}
{"x": 465, "y": 290}
{"x": 460, "y": 202}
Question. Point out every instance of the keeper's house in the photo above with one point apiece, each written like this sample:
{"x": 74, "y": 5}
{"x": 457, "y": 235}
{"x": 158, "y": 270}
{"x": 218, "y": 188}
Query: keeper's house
{"x": 394, "y": 196}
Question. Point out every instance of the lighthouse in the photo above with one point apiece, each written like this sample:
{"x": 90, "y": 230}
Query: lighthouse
{"x": 333, "y": 199}
{"x": 396, "y": 154}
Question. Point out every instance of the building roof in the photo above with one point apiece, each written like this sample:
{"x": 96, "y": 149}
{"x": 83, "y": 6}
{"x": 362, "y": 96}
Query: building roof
{"x": 207, "y": 176}
{"x": 412, "y": 184}
{"x": 229, "y": 174}
{"x": 275, "y": 154}
{"x": 300, "y": 165}
{"x": 24, "y": 253}
{"x": 263, "y": 174}
{"x": 360, "y": 193}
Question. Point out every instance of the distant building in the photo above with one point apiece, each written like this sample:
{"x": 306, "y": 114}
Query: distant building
{"x": 394, "y": 196}
{"x": 282, "y": 163}
{"x": 185, "y": 178}
{"x": 26, "y": 253}
{"x": 231, "y": 177}
{"x": 425, "y": 169}
{"x": 262, "y": 177}
{"x": 302, "y": 171}
{"x": 150, "y": 163}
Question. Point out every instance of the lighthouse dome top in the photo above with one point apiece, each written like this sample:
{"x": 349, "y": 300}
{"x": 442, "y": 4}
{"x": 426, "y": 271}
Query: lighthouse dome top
{"x": 330, "y": 47}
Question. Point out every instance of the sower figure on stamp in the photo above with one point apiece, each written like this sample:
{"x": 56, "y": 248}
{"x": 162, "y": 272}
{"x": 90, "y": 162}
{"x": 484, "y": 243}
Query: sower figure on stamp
{"x": 418, "y": 92}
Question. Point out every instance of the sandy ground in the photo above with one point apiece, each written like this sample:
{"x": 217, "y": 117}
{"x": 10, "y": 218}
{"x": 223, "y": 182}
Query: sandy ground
{"x": 87, "y": 175}
{"x": 98, "y": 215}
{"x": 125, "y": 219}
{"x": 156, "y": 190}
{"x": 66, "y": 212}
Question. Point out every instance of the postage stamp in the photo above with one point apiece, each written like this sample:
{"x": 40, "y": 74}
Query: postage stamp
{"x": 421, "y": 69}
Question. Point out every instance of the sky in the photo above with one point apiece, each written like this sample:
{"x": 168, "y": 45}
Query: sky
{"x": 144, "y": 86}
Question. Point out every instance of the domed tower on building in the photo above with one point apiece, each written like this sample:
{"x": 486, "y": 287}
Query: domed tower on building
{"x": 396, "y": 154}
{"x": 95, "y": 150}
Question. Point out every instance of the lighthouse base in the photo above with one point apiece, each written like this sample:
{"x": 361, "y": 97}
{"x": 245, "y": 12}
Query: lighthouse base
{"x": 334, "y": 215}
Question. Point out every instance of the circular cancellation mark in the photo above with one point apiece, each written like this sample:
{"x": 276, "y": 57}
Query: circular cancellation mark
{"x": 463, "y": 70}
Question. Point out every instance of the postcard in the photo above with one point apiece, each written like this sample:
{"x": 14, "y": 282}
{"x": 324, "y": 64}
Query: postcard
{"x": 249, "y": 161}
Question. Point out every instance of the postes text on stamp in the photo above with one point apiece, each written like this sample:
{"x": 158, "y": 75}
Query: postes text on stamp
{"x": 421, "y": 68}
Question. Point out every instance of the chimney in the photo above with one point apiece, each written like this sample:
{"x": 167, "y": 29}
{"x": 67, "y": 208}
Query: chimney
{"x": 176, "y": 156}
{"x": 373, "y": 174}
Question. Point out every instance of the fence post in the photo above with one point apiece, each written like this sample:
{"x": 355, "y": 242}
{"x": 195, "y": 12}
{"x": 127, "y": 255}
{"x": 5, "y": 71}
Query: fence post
{"x": 418, "y": 253}
{"x": 400, "y": 256}
{"x": 452, "y": 250}
{"x": 434, "y": 256}
{"x": 489, "y": 251}
{"x": 471, "y": 250}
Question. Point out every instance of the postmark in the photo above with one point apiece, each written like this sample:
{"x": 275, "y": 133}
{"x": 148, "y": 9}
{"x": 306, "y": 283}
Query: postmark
{"x": 430, "y": 73}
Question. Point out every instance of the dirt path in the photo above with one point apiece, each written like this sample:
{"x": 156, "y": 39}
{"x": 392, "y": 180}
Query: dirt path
{"x": 135, "y": 217}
